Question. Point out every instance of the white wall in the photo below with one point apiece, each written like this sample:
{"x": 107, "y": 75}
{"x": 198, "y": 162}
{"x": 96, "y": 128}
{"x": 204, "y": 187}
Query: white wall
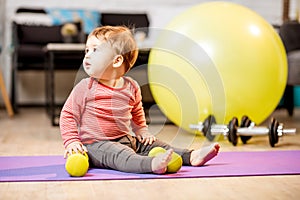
{"x": 160, "y": 13}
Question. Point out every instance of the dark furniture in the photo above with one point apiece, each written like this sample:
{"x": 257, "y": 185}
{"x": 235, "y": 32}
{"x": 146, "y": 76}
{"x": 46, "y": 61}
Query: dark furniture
{"x": 28, "y": 54}
{"x": 290, "y": 35}
{"x": 55, "y": 52}
{"x": 138, "y": 21}
{"x": 31, "y": 52}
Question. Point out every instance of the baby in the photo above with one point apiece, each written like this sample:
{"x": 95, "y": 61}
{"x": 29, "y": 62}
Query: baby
{"x": 103, "y": 111}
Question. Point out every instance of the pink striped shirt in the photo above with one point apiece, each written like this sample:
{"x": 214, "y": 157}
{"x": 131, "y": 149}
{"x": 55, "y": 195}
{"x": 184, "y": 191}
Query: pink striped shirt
{"x": 95, "y": 112}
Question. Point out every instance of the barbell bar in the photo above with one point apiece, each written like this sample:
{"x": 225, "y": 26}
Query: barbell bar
{"x": 232, "y": 131}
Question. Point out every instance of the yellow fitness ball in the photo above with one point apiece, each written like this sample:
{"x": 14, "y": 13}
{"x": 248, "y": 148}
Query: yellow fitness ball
{"x": 217, "y": 58}
{"x": 174, "y": 165}
{"x": 77, "y": 164}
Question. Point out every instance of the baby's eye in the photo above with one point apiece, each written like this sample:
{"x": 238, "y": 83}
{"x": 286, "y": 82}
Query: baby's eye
{"x": 94, "y": 49}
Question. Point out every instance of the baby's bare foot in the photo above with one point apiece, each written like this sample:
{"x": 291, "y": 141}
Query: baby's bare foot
{"x": 160, "y": 162}
{"x": 201, "y": 156}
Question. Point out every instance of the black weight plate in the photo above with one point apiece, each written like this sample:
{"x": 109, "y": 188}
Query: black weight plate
{"x": 245, "y": 122}
{"x": 273, "y": 135}
{"x": 210, "y": 120}
{"x": 232, "y": 133}
{"x": 275, "y": 131}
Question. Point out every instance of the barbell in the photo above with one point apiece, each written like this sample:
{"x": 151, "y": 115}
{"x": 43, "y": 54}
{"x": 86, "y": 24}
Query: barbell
{"x": 248, "y": 129}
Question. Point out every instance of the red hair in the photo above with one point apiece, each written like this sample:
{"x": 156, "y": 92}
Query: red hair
{"x": 122, "y": 41}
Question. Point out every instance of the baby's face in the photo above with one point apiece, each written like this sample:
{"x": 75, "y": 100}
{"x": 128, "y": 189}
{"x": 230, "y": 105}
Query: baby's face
{"x": 98, "y": 57}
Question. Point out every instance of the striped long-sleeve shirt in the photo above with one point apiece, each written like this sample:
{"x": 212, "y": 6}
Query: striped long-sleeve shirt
{"x": 95, "y": 112}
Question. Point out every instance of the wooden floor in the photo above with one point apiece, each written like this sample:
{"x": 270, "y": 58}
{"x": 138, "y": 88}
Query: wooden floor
{"x": 30, "y": 133}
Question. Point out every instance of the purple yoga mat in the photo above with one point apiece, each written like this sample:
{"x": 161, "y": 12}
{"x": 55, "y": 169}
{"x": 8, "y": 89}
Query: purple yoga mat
{"x": 226, "y": 164}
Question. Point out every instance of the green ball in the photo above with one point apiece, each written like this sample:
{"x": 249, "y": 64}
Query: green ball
{"x": 77, "y": 164}
{"x": 174, "y": 165}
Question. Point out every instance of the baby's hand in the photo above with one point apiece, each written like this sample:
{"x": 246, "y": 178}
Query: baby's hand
{"x": 146, "y": 138}
{"x": 75, "y": 147}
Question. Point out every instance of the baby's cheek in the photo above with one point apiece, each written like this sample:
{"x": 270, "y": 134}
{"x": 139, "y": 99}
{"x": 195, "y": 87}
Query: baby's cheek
{"x": 96, "y": 58}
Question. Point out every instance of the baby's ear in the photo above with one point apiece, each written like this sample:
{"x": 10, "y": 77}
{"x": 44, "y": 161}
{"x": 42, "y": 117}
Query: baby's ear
{"x": 118, "y": 61}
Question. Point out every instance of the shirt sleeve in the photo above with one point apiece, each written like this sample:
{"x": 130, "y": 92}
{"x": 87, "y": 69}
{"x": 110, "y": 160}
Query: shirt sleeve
{"x": 138, "y": 116}
{"x": 70, "y": 116}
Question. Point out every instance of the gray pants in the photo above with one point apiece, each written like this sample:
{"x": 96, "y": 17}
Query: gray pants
{"x": 127, "y": 154}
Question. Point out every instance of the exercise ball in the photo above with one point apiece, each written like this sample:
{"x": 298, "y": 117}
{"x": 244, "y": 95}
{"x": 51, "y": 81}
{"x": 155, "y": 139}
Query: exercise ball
{"x": 217, "y": 58}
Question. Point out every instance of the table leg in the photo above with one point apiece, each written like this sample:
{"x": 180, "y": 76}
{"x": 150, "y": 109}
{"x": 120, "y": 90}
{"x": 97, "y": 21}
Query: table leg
{"x": 51, "y": 88}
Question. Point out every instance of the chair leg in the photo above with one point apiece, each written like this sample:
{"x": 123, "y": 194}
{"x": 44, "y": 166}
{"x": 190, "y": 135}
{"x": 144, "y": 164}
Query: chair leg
{"x": 5, "y": 96}
{"x": 289, "y": 99}
{"x": 14, "y": 79}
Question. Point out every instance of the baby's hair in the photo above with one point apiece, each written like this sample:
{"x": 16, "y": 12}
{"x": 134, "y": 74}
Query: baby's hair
{"x": 122, "y": 41}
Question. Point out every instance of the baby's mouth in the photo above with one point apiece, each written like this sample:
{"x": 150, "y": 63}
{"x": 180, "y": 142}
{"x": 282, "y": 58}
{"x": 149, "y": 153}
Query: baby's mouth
{"x": 87, "y": 65}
